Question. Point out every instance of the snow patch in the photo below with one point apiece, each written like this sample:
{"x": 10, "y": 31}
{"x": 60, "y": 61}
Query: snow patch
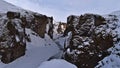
{"x": 57, "y": 63}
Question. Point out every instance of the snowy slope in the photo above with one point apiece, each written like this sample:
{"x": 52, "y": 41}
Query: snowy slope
{"x": 5, "y": 6}
{"x": 115, "y": 13}
{"x": 38, "y": 50}
{"x": 113, "y": 60}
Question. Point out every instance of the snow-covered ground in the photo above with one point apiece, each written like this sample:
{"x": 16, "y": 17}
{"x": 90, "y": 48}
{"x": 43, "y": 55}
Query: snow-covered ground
{"x": 5, "y": 6}
{"x": 38, "y": 50}
{"x": 57, "y": 63}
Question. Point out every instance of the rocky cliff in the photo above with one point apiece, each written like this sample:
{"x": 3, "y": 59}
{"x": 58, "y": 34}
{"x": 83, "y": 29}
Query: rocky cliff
{"x": 90, "y": 37}
{"x": 13, "y": 34}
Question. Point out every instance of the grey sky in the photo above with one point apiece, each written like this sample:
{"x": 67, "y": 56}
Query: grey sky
{"x": 60, "y": 9}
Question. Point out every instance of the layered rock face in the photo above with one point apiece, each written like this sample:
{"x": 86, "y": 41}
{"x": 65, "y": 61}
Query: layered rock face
{"x": 41, "y": 24}
{"x": 13, "y": 35}
{"x": 89, "y": 38}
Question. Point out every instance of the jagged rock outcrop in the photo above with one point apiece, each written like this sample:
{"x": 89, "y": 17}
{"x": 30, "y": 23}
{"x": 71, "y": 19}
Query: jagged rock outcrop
{"x": 13, "y": 34}
{"x": 113, "y": 59}
{"x": 61, "y": 27}
{"x": 50, "y": 27}
{"x": 12, "y": 38}
{"x": 39, "y": 23}
{"x": 91, "y": 36}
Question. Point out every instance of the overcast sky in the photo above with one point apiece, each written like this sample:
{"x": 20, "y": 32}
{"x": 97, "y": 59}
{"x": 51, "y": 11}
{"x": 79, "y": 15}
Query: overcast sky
{"x": 60, "y": 9}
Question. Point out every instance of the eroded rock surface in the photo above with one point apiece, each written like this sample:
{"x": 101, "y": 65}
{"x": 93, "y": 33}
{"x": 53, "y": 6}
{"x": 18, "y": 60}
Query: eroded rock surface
{"x": 90, "y": 37}
{"x": 13, "y": 35}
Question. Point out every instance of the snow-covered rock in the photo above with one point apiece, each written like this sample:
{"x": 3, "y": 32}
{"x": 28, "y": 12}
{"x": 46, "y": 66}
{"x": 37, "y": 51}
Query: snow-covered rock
{"x": 92, "y": 36}
{"x": 61, "y": 27}
{"x": 13, "y": 34}
{"x": 12, "y": 39}
{"x": 38, "y": 51}
{"x": 112, "y": 61}
{"x": 5, "y": 7}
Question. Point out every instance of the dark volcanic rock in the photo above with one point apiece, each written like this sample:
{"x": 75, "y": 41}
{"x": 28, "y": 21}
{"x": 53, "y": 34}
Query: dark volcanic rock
{"x": 38, "y": 23}
{"x": 12, "y": 15}
{"x": 90, "y": 38}
{"x": 13, "y": 35}
{"x": 50, "y": 28}
{"x": 12, "y": 39}
{"x": 61, "y": 27}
